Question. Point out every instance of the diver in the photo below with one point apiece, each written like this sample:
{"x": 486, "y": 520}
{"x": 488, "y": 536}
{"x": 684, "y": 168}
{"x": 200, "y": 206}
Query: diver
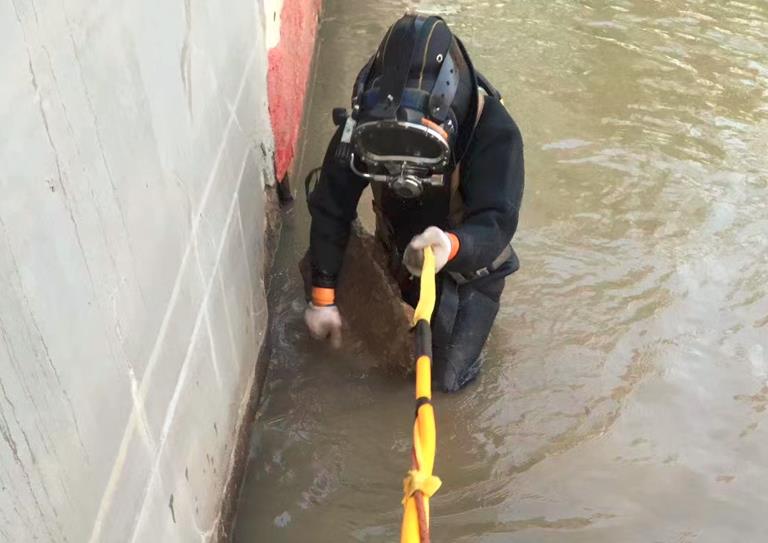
{"x": 444, "y": 160}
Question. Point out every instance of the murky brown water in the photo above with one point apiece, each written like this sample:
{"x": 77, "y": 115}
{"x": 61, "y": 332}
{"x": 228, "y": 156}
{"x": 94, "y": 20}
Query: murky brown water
{"x": 625, "y": 393}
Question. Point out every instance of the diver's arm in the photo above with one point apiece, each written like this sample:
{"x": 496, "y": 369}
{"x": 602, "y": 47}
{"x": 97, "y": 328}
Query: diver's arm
{"x": 333, "y": 206}
{"x": 492, "y": 189}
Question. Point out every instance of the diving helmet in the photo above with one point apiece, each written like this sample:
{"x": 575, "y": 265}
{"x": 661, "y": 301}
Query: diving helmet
{"x": 414, "y": 106}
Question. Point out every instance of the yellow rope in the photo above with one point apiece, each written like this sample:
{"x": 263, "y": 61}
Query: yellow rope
{"x": 420, "y": 484}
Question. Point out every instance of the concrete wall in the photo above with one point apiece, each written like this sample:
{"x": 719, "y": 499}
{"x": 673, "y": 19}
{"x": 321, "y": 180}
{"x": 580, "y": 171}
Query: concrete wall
{"x": 135, "y": 162}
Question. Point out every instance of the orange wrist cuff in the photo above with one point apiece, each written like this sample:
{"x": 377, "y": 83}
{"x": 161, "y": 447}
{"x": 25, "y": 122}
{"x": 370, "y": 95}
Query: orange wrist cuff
{"x": 323, "y": 296}
{"x": 455, "y": 245}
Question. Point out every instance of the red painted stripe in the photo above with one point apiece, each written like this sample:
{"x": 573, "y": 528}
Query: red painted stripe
{"x": 289, "y": 65}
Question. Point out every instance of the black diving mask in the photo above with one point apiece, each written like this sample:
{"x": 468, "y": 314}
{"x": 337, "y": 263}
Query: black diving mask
{"x": 405, "y": 155}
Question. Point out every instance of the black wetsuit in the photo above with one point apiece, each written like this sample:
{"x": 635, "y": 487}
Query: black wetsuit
{"x": 491, "y": 188}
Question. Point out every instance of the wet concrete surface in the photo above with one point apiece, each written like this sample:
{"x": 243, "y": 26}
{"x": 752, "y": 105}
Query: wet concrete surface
{"x": 625, "y": 387}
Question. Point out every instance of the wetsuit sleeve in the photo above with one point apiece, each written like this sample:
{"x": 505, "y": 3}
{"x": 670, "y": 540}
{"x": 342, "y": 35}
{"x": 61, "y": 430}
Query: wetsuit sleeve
{"x": 333, "y": 206}
{"x": 492, "y": 189}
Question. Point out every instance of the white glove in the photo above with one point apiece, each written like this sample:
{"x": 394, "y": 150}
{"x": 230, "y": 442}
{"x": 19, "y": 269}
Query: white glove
{"x": 323, "y": 322}
{"x": 431, "y": 237}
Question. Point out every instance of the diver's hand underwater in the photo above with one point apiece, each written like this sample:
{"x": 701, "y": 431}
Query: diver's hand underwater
{"x": 431, "y": 237}
{"x": 324, "y": 322}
